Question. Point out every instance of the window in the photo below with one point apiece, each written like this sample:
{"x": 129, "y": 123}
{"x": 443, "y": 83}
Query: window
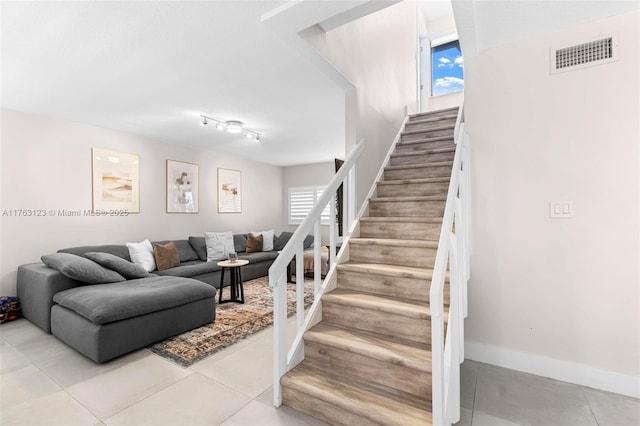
{"x": 447, "y": 67}
{"x": 302, "y": 200}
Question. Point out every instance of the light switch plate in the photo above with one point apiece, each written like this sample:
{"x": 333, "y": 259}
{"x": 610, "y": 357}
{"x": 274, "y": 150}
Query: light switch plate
{"x": 561, "y": 209}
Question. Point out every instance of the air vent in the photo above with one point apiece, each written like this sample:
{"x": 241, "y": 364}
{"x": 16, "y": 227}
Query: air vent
{"x": 583, "y": 55}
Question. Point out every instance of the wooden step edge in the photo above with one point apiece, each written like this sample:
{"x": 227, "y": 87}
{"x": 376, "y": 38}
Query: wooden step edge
{"x": 431, "y": 129}
{"x": 419, "y": 166}
{"x": 433, "y": 119}
{"x": 440, "y": 179}
{"x": 404, "y": 199}
{"x": 396, "y": 271}
{"x": 364, "y": 403}
{"x": 394, "y": 242}
{"x": 426, "y": 140}
{"x": 401, "y": 219}
{"x": 378, "y": 303}
{"x": 444, "y": 150}
{"x": 437, "y": 111}
{"x": 375, "y": 347}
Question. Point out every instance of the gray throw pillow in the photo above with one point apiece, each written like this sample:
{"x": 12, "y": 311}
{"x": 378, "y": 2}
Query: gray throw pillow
{"x": 282, "y": 240}
{"x": 80, "y": 269}
{"x": 125, "y": 268}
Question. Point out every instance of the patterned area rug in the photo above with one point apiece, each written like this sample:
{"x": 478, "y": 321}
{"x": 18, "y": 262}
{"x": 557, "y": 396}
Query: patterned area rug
{"x": 234, "y": 322}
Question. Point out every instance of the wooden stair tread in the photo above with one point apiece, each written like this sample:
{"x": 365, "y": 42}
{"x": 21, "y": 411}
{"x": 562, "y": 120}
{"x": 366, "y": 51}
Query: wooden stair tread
{"x": 366, "y": 404}
{"x": 414, "y": 198}
{"x": 430, "y": 129}
{"x": 415, "y": 181}
{"x": 419, "y": 165}
{"x": 393, "y": 242}
{"x": 438, "y": 111}
{"x": 404, "y": 307}
{"x": 425, "y": 140}
{"x": 371, "y": 346}
{"x": 397, "y": 271}
{"x": 424, "y": 152}
{"x": 433, "y": 119}
{"x": 412, "y": 219}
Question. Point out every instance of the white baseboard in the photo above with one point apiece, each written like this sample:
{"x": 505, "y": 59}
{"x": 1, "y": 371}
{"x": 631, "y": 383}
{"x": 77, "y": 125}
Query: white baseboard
{"x": 580, "y": 374}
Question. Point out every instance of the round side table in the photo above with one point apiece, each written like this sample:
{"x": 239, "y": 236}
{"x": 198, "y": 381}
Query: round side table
{"x": 235, "y": 280}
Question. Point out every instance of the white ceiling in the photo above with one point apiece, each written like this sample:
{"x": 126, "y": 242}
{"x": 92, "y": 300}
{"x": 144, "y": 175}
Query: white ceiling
{"x": 150, "y": 69}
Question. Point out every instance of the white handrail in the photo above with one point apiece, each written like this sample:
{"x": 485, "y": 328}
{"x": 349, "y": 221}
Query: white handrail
{"x": 447, "y": 352}
{"x": 284, "y": 359}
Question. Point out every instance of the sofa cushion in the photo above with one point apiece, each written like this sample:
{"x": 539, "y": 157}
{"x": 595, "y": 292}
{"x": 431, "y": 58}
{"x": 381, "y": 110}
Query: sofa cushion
{"x": 185, "y": 250}
{"x": 120, "y": 251}
{"x": 267, "y": 239}
{"x": 240, "y": 242}
{"x": 81, "y": 269}
{"x": 166, "y": 256}
{"x": 219, "y": 245}
{"x": 260, "y": 256}
{"x": 142, "y": 254}
{"x": 191, "y": 269}
{"x": 125, "y": 268}
{"x": 254, "y": 243}
{"x": 199, "y": 245}
{"x": 282, "y": 240}
{"x": 114, "y": 302}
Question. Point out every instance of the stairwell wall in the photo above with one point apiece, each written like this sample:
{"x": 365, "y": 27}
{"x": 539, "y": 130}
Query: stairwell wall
{"x": 46, "y": 164}
{"x": 557, "y": 297}
{"x": 377, "y": 53}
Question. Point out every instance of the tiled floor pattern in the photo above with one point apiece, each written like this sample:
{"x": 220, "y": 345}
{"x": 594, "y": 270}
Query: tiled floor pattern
{"x": 44, "y": 382}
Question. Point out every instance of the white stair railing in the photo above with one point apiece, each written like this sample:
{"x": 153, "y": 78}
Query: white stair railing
{"x": 447, "y": 352}
{"x": 284, "y": 360}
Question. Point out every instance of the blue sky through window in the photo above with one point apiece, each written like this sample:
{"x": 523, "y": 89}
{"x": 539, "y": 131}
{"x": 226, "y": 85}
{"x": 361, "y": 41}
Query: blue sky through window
{"x": 447, "y": 68}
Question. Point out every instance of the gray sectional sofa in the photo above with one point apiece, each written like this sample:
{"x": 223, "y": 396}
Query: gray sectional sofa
{"x": 103, "y": 321}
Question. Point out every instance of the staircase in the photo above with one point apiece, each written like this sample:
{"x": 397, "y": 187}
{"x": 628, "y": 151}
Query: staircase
{"x": 368, "y": 361}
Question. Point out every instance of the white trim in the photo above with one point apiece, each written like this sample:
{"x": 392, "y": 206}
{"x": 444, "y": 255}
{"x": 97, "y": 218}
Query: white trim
{"x": 580, "y": 374}
{"x": 444, "y": 40}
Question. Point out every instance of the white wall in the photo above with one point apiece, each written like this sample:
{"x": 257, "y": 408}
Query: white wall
{"x": 377, "y": 53}
{"x": 46, "y": 164}
{"x": 566, "y": 291}
{"x": 319, "y": 174}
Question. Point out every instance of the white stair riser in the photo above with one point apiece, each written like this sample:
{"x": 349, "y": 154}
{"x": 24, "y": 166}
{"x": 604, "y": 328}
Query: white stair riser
{"x": 412, "y": 189}
{"x": 417, "y": 172}
{"x": 420, "y": 257}
{"x": 423, "y": 146}
{"x": 373, "y": 321}
{"x": 406, "y": 208}
{"x": 401, "y": 230}
{"x": 433, "y": 157}
{"x": 386, "y": 376}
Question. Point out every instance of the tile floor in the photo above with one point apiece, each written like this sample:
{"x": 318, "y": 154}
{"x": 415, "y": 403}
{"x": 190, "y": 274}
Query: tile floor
{"x": 44, "y": 382}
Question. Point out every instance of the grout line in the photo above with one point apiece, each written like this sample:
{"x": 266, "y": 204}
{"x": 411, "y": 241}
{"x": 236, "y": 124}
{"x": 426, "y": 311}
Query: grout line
{"x": 584, "y": 395}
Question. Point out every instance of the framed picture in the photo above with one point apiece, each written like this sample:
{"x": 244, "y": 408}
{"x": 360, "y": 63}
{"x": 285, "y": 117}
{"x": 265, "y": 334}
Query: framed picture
{"x": 182, "y": 187}
{"x": 229, "y": 191}
{"x": 115, "y": 181}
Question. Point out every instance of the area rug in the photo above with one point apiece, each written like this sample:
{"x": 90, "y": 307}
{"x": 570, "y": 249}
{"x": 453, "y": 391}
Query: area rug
{"x": 234, "y": 322}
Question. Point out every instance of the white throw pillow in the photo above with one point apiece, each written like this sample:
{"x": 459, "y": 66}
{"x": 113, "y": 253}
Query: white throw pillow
{"x": 267, "y": 239}
{"x": 219, "y": 245}
{"x": 142, "y": 254}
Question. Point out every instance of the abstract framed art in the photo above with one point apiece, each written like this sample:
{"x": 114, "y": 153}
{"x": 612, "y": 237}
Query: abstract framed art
{"x": 115, "y": 181}
{"x": 229, "y": 191}
{"x": 182, "y": 187}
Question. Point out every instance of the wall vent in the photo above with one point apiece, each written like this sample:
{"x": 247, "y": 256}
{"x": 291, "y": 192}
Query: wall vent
{"x": 583, "y": 55}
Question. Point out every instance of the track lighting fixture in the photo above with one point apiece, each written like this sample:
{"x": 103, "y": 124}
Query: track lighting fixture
{"x": 231, "y": 126}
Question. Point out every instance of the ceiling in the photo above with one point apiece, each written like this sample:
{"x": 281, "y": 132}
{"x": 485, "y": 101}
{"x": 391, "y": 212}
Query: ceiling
{"x": 151, "y": 69}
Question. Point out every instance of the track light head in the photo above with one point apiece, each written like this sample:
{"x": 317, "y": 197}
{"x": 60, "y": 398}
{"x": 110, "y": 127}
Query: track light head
{"x": 204, "y": 121}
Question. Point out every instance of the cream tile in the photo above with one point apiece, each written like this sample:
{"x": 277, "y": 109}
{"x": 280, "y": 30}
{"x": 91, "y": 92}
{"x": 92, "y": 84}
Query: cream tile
{"x": 611, "y": 409}
{"x": 10, "y": 358}
{"x": 530, "y": 400}
{"x": 468, "y": 378}
{"x": 483, "y": 419}
{"x": 465, "y": 417}
{"x": 207, "y": 362}
{"x": 23, "y": 386}
{"x": 109, "y": 393}
{"x": 248, "y": 370}
{"x": 68, "y": 369}
{"x": 256, "y": 413}
{"x": 194, "y": 400}
{"x": 20, "y": 331}
{"x": 41, "y": 348}
{"x": 266, "y": 398}
{"x": 57, "y": 409}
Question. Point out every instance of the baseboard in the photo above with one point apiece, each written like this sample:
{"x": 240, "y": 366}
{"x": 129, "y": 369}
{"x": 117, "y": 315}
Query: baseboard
{"x": 580, "y": 374}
